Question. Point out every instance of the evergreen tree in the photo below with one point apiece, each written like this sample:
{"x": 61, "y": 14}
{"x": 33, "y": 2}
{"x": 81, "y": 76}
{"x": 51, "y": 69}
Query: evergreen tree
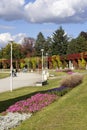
{"x": 59, "y": 42}
{"x": 77, "y": 45}
{"x": 40, "y": 44}
{"x": 48, "y": 46}
{"x": 83, "y": 34}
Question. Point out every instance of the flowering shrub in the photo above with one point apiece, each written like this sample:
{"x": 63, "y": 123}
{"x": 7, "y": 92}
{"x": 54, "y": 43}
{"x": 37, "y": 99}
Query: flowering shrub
{"x": 33, "y": 104}
{"x": 70, "y": 72}
{"x": 60, "y": 91}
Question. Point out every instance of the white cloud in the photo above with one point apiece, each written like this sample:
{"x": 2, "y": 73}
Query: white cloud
{"x": 57, "y": 11}
{"x": 6, "y": 37}
{"x": 19, "y": 37}
{"x": 11, "y": 9}
{"x": 6, "y": 27}
{"x": 44, "y": 11}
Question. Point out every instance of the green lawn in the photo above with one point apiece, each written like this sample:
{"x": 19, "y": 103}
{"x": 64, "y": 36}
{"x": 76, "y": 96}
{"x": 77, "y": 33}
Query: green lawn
{"x": 4, "y": 75}
{"x": 67, "y": 113}
{"x": 8, "y": 98}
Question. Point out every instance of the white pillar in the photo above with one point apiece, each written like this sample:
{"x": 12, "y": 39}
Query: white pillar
{"x": 47, "y": 61}
{"x": 11, "y": 78}
{"x": 42, "y": 63}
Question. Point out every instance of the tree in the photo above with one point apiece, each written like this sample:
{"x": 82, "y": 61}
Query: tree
{"x": 48, "y": 46}
{"x": 83, "y": 34}
{"x": 0, "y": 53}
{"x": 28, "y": 47}
{"x": 16, "y": 51}
{"x": 71, "y": 47}
{"x": 40, "y": 44}
{"x": 77, "y": 45}
{"x": 59, "y": 42}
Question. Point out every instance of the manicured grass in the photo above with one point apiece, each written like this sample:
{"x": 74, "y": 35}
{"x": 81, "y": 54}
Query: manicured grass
{"x": 57, "y": 73}
{"x": 9, "y": 98}
{"x": 4, "y": 75}
{"x": 81, "y": 71}
{"x": 67, "y": 113}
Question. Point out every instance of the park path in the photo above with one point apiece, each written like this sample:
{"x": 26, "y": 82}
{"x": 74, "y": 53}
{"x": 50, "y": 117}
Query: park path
{"x": 22, "y": 80}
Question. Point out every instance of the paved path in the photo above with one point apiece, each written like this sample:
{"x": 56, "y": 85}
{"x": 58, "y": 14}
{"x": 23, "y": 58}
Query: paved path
{"x": 22, "y": 80}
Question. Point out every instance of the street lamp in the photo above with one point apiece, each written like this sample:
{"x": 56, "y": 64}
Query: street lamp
{"x": 1, "y": 56}
{"x": 42, "y": 50}
{"x": 11, "y": 68}
{"x": 47, "y": 61}
{"x": 47, "y": 73}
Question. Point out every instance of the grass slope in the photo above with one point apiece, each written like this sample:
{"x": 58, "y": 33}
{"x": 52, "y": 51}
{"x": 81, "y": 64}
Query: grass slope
{"x": 9, "y": 98}
{"x": 67, "y": 113}
{"x": 4, "y": 75}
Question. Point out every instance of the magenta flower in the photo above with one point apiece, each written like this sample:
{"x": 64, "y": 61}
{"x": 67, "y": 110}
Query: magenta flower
{"x": 33, "y": 104}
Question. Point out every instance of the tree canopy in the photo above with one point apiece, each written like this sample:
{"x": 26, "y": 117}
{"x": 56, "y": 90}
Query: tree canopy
{"x": 16, "y": 49}
{"x": 40, "y": 44}
{"x": 59, "y": 42}
{"x": 77, "y": 45}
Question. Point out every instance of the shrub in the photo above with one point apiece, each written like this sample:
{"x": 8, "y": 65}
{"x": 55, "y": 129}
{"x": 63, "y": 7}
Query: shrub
{"x": 72, "y": 80}
{"x": 82, "y": 63}
{"x": 60, "y": 91}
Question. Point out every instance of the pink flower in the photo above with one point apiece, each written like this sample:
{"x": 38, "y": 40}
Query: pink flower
{"x": 33, "y": 104}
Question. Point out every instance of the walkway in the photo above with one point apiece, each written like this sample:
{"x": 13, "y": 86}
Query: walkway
{"x": 22, "y": 80}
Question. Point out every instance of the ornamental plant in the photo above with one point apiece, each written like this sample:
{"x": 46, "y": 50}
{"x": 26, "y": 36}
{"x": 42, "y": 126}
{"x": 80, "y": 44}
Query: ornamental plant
{"x": 82, "y": 63}
{"x": 72, "y": 81}
{"x": 60, "y": 91}
{"x": 70, "y": 72}
{"x": 33, "y": 104}
{"x": 54, "y": 63}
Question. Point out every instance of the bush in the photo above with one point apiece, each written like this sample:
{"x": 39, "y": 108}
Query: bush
{"x": 72, "y": 80}
{"x": 60, "y": 91}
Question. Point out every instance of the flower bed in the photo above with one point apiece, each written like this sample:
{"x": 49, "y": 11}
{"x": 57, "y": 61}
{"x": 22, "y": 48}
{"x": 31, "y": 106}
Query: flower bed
{"x": 33, "y": 104}
{"x": 60, "y": 91}
{"x": 23, "y": 109}
{"x": 39, "y": 101}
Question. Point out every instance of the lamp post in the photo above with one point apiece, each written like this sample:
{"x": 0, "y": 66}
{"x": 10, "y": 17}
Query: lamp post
{"x": 1, "y": 56}
{"x": 11, "y": 78}
{"x": 47, "y": 73}
{"x": 42, "y": 50}
{"x": 47, "y": 61}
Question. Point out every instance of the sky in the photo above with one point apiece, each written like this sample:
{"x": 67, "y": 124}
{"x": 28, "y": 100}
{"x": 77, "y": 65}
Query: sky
{"x": 26, "y": 18}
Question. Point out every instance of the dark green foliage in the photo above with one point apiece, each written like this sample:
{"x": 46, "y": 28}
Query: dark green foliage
{"x": 77, "y": 45}
{"x": 83, "y": 34}
{"x": 40, "y": 44}
{"x": 59, "y": 42}
{"x": 16, "y": 49}
{"x": 48, "y": 46}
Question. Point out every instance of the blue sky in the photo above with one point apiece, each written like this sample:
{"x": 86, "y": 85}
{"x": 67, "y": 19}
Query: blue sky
{"x": 29, "y": 17}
